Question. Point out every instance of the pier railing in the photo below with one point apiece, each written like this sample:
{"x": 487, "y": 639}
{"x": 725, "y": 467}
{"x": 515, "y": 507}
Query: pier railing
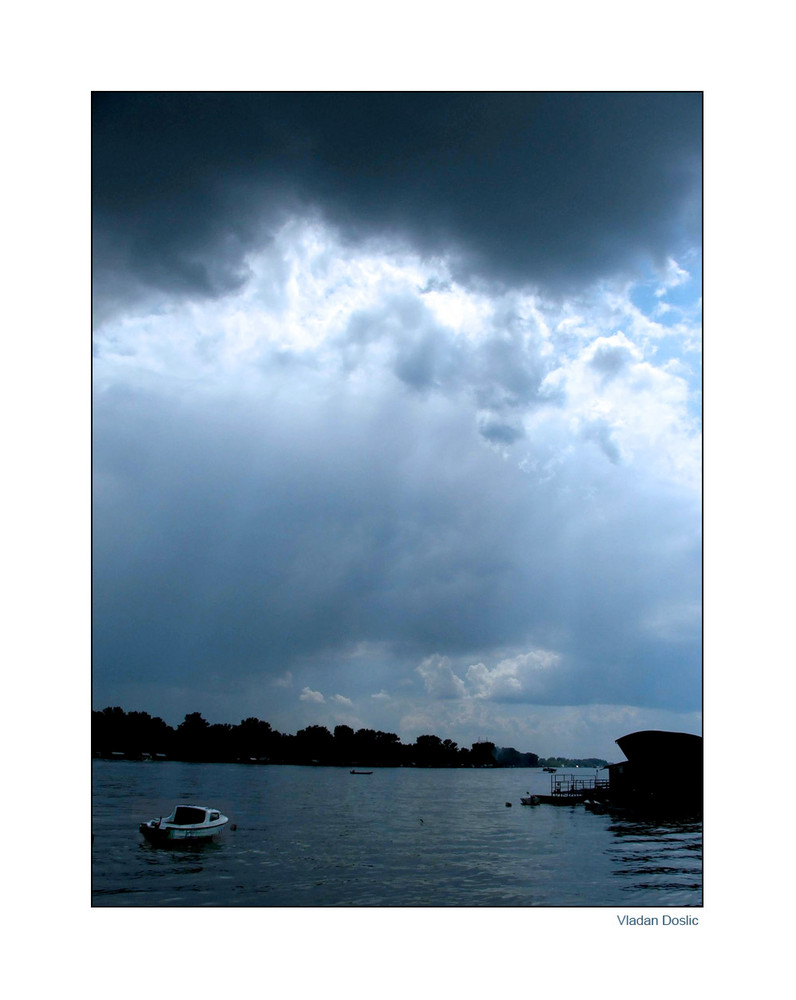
{"x": 566, "y": 785}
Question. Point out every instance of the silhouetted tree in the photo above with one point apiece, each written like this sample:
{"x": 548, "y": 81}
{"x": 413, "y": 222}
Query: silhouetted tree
{"x": 218, "y": 743}
{"x": 131, "y": 733}
{"x": 428, "y": 750}
{"x": 253, "y": 739}
{"x": 387, "y": 748}
{"x": 192, "y": 737}
{"x": 108, "y": 730}
{"x": 314, "y": 743}
{"x": 343, "y": 750}
{"x": 483, "y": 754}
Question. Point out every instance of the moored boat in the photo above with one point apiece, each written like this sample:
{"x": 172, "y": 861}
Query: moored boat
{"x": 186, "y": 823}
{"x": 353, "y": 771}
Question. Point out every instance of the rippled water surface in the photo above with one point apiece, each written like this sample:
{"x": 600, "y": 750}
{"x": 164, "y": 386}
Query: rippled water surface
{"x": 319, "y": 836}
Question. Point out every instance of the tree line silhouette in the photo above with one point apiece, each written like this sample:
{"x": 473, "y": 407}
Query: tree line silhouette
{"x": 116, "y": 733}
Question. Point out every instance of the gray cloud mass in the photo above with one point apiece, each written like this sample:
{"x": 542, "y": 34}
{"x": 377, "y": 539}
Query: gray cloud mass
{"x": 555, "y": 189}
{"x": 382, "y": 435}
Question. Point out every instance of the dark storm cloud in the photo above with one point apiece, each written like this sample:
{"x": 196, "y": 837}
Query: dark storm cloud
{"x": 220, "y": 534}
{"x": 547, "y": 189}
{"x": 242, "y": 538}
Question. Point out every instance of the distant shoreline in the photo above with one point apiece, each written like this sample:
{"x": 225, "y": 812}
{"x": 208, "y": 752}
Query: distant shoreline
{"x": 162, "y": 758}
{"x": 120, "y": 735}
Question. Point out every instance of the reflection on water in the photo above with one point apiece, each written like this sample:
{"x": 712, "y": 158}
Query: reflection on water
{"x": 658, "y": 855}
{"x": 402, "y": 837}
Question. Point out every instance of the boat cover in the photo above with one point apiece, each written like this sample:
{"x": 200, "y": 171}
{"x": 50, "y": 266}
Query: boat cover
{"x": 188, "y": 814}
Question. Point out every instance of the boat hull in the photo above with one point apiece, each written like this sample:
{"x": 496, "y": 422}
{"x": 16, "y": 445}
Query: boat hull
{"x": 167, "y": 833}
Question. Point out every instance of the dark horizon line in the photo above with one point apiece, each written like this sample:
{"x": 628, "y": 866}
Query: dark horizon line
{"x": 116, "y": 732}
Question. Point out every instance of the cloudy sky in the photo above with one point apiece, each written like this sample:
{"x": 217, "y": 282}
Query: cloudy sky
{"x": 397, "y": 412}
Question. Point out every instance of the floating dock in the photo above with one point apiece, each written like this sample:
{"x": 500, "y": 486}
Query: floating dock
{"x": 568, "y": 789}
{"x": 661, "y": 777}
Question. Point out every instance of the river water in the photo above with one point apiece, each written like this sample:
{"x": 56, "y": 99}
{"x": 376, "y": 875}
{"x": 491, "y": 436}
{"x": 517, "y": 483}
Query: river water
{"x": 319, "y": 836}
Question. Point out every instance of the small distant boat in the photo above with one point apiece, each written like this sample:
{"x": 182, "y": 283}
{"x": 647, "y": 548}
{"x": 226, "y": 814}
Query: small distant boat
{"x": 360, "y": 772}
{"x": 550, "y": 770}
{"x": 186, "y": 823}
{"x": 529, "y": 800}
